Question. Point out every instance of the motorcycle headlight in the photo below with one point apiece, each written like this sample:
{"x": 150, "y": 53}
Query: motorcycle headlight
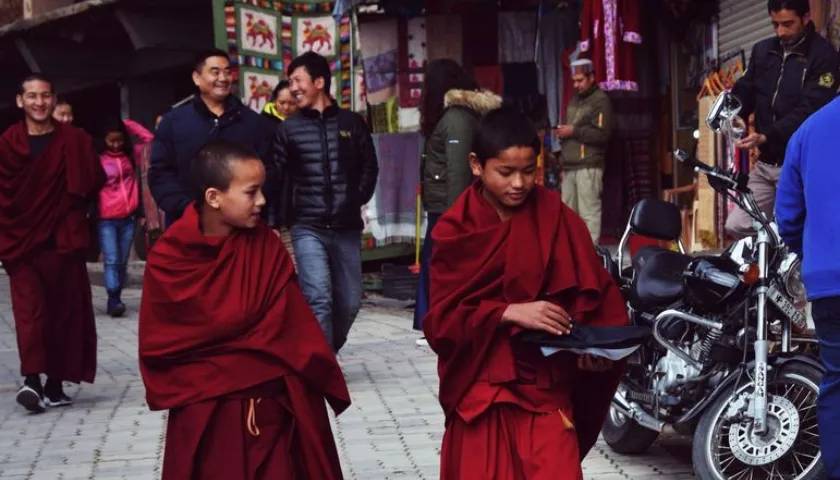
{"x": 792, "y": 281}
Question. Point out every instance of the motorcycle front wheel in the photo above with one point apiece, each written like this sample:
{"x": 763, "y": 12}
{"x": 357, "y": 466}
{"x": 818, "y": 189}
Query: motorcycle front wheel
{"x": 725, "y": 446}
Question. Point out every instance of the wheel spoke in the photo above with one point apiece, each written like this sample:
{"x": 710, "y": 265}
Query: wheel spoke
{"x": 764, "y": 470}
{"x": 724, "y": 452}
{"x": 773, "y": 469}
{"x": 806, "y": 402}
{"x": 809, "y": 457}
{"x": 726, "y": 463}
{"x": 789, "y": 388}
{"x": 798, "y": 462}
{"x": 810, "y": 443}
{"x": 739, "y": 475}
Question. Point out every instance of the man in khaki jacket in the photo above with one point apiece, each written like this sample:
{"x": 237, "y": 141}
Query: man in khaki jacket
{"x": 585, "y": 140}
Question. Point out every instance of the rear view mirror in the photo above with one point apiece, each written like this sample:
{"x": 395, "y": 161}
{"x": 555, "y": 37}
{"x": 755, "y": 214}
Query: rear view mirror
{"x": 723, "y": 111}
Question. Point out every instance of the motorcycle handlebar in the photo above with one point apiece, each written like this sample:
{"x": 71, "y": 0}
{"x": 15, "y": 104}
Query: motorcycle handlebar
{"x": 733, "y": 180}
{"x": 723, "y": 182}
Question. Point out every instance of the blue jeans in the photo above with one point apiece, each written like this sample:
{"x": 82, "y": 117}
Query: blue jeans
{"x": 329, "y": 264}
{"x": 421, "y": 305}
{"x": 115, "y": 237}
{"x": 826, "y": 312}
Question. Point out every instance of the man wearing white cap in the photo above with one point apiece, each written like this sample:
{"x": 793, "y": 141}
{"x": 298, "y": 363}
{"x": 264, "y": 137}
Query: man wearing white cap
{"x": 585, "y": 140}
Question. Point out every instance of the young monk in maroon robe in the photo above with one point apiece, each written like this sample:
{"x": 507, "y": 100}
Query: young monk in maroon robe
{"x": 49, "y": 174}
{"x": 510, "y": 257}
{"x": 228, "y": 343}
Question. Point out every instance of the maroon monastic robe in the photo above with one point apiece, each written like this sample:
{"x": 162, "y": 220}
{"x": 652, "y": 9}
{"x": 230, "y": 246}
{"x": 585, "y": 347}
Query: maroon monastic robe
{"x": 44, "y": 233}
{"x": 230, "y": 346}
{"x": 510, "y": 412}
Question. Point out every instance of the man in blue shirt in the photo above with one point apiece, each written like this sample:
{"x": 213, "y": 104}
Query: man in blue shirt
{"x": 806, "y": 211}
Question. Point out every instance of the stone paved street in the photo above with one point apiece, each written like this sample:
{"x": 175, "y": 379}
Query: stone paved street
{"x": 392, "y": 431}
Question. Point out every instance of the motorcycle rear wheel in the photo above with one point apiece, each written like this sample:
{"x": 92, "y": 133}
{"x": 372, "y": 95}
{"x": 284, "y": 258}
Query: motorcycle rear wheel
{"x": 625, "y": 435}
{"x": 725, "y": 447}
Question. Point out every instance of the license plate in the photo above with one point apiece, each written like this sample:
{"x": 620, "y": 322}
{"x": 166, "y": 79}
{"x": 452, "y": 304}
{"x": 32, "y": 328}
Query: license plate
{"x": 796, "y": 317}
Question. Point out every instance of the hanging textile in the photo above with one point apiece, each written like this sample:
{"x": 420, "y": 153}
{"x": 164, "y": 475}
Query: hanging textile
{"x": 390, "y": 216}
{"x": 481, "y": 32}
{"x": 343, "y": 6}
{"x": 520, "y": 90}
{"x": 409, "y": 119}
{"x": 385, "y": 117}
{"x": 557, "y": 35}
{"x": 412, "y": 60}
{"x": 489, "y": 77}
{"x": 610, "y": 30}
{"x": 447, "y": 42}
{"x": 517, "y": 33}
{"x": 379, "y": 44}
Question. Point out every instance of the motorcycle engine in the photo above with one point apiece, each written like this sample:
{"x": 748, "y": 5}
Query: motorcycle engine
{"x": 670, "y": 371}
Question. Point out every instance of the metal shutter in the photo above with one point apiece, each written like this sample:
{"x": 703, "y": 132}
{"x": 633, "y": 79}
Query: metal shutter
{"x": 742, "y": 23}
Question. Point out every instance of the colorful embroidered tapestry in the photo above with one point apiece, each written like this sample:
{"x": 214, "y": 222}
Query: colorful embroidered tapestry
{"x": 263, "y": 36}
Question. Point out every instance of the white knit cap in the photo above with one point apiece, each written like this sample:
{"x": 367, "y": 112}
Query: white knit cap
{"x": 583, "y": 65}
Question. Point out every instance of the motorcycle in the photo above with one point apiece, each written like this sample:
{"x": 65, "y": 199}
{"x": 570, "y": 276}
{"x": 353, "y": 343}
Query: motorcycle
{"x": 727, "y": 362}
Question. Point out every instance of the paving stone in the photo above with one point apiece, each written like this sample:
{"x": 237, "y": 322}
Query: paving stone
{"x": 392, "y": 431}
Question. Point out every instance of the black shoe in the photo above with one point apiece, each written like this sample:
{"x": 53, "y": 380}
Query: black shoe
{"x": 60, "y": 400}
{"x": 115, "y": 308}
{"x": 30, "y": 399}
{"x": 118, "y": 310}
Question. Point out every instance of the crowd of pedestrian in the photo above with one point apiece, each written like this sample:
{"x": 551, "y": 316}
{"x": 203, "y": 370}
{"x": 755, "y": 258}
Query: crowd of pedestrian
{"x": 238, "y": 338}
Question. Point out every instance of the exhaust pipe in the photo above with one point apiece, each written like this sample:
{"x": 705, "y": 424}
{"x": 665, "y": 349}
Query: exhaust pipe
{"x": 636, "y": 412}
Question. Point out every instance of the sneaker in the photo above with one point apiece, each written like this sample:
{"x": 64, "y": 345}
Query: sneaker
{"x": 30, "y": 399}
{"x": 421, "y": 342}
{"x": 60, "y": 400}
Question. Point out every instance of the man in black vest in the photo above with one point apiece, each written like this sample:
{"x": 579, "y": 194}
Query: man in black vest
{"x": 326, "y": 155}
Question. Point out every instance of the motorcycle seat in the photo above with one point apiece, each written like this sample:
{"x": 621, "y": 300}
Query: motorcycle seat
{"x": 658, "y": 278}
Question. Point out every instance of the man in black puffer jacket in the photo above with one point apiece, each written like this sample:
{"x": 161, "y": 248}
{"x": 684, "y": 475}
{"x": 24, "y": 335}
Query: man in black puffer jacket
{"x": 790, "y": 76}
{"x": 326, "y": 157}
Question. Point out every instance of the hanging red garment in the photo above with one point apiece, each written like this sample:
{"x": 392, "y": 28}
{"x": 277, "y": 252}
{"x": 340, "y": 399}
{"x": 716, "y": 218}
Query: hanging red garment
{"x": 610, "y": 30}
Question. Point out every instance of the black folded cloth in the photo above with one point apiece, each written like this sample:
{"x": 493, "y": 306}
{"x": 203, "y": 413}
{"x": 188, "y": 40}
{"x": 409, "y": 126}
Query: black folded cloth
{"x": 582, "y": 337}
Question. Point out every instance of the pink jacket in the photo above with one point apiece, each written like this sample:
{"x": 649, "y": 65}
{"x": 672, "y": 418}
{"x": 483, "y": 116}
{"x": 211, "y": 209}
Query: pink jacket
{"x": 119, "y": 197}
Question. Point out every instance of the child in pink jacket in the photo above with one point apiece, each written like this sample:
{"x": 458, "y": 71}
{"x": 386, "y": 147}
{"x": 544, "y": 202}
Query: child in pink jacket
{"x": 119, "y": 202}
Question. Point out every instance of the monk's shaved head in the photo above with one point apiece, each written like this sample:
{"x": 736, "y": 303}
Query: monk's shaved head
{"x": 212, "y": 167}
